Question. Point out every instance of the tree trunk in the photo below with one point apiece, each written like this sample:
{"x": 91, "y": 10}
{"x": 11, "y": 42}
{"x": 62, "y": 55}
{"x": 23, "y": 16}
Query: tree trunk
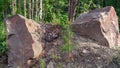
{"x": 29, "y": 10}
{"x": 78, "y": 8}
{"x": 5, "y": 11}
{"x": 14, "y": 7}
{"x": 36, "y": 16}
{"x": 116, "y": 3}
{"x": 25, "y": 8}
{"x": 40, "y": 9}
{"x": 32, "y": 9}
{"x": 19, "y": 7}
{"x": 104, "y": 3}
{"x": 71, "y": 9}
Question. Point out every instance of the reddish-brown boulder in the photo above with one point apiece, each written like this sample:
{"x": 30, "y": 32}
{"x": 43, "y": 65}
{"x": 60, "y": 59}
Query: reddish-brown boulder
{"x": 24, "y": 40}
{"x": 100, "y": 25}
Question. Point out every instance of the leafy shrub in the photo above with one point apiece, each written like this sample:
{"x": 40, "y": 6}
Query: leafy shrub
{"x": 3, "y": 47}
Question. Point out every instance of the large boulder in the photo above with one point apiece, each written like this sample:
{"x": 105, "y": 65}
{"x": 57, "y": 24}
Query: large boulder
{"x": 100, "y": 25}
{"x": 24, "y": 39}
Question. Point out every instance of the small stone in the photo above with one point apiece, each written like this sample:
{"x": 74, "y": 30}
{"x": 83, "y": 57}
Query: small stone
{"x": 85, "y": 51}
{"x": 50, "y": 65}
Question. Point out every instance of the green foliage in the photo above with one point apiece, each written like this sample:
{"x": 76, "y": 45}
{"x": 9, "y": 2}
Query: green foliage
{"x": 3, "y": 47}
{"x": 87, "y": 5}
{"x": 55, "y": 11}
{"x": 59, "y": 65}
{"x": 66, "y": 48}
{"x": 67, "y": 37}
{"x": 42, "y": 63}
{"x": 54, "y": 56}
{"x": 1, "y": 7}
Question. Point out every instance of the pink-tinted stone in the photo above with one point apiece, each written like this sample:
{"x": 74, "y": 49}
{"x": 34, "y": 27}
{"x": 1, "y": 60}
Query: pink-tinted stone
{"x": 100, "y": 25}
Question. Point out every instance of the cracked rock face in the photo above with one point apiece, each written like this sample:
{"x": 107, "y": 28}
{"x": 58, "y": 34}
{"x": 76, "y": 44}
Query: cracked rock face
{"x": 100, "y": 25}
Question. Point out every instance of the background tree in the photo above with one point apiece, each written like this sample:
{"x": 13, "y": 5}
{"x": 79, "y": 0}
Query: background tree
{"x": 40, "y": 13}
{"x": 71, "y": 9}
{"x": 14, "y": 6}
{"x": 36, "y": 9}
{"x": 19, "y": 6}
{"x": 50, "y": 11}
{"x": 25, "y": 8}
{"x": 30, "y": 8}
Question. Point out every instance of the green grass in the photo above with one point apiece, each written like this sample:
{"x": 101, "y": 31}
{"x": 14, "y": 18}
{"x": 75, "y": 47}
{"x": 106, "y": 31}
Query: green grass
{"x": 66, "y": 47}
{"x": 59, "y": 65}
{"x": 42, "y": 63}
{"x": 67, "y": 36}
{"x": 54, "y": 56}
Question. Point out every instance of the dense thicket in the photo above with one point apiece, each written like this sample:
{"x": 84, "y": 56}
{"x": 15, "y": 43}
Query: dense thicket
{"x": 49, "y": 11}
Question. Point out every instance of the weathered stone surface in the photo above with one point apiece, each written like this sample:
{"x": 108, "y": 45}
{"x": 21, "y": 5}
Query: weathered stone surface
{"x": 85, "y": 54}
{"x": 119, "y": 40}
{"x": 100, "y": 25}
{"x": 24, "y": 41}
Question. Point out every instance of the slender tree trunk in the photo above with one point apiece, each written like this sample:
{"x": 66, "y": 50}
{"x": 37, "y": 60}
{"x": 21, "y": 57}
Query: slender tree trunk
{"x": 104, "y": 3}
{"x": 32, "y": 9}
{"x": 10, "y": 7}
{"x": 14, "y": 7}
{"x": 78, "y": 8}
{"x": 19, "y": 7}
{"x": 5, "y": 11}
{"x": 25, "y": 8}
{"x": 40, "y": 14}
{"x": 13, "y": 11}
{"x": 36, "y": 3}
{"x": 71, "y": 9}
{"x": 116, "y": 3}
{"x": 29, "y": 10}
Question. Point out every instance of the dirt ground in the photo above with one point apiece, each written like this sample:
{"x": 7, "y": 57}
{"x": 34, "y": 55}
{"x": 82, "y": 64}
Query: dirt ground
{"x": 85, "y": 54}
